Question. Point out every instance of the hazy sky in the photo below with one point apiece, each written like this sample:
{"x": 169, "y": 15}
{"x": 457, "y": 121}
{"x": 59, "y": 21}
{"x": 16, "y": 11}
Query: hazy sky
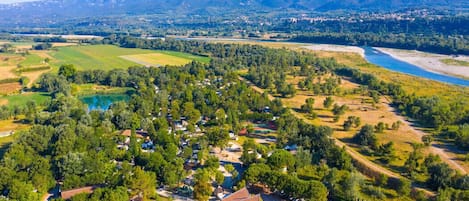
{"x": 13, "y": 1}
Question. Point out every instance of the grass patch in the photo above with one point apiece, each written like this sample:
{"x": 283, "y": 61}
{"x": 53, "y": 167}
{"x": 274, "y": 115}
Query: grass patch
{"x": 90, "y": 89}
{"x": 455, "y": 62}
{"x": 32, "y": 60}
{"x": 22, "y": 99}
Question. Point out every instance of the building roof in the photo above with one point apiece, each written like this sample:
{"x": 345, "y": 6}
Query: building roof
{"x": 242, "y": 195}
{"x": 138, "y": 134}
{"x": 243, "y": 132}
{"x": 70, "y": 193}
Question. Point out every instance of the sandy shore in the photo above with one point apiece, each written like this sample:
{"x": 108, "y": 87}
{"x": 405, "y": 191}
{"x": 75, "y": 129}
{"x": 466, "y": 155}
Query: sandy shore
{"x": 430, "y": 62}
{"x": 336, "y": 48}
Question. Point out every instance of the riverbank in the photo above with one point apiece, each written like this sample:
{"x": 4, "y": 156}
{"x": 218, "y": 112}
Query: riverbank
{"x": 336, "y": 48}
{"x": 430, "y": 62}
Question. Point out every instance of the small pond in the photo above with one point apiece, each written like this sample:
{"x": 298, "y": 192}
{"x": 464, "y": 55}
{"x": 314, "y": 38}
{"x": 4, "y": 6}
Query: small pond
{"x": 102, "y": 101}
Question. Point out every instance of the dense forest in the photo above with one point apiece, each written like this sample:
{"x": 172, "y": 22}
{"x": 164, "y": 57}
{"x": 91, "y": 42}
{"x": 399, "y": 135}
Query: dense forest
{"x": 77, "y": 148}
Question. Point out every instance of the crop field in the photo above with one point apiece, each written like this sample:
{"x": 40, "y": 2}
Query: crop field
{"x": 9, "y": 88}
{"x": 7, "y": 72}
{"x": 107, "y": 57}
{"x": 156, "y": 59}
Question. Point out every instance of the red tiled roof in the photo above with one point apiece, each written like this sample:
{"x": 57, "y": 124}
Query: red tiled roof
{"x": 128, "y": 133}
{"x": 241, "y": 195}
{"x": 254, "y": 198}
{"x": 243, "y": 132}
{"x": 70, "y": 193}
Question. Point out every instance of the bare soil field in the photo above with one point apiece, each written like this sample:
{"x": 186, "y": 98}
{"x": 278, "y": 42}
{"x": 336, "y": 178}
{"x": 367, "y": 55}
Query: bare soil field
{"x": 9, "y": 88}
{"x": 7, "y": 72}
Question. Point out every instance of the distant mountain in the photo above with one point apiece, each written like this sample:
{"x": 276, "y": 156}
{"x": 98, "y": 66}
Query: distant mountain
{"x": 56, "y": 10}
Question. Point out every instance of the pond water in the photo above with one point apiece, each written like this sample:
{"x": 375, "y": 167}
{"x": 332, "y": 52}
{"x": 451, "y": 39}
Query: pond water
{"x": 101, "y": 101}
{"x": 384, "y": 60}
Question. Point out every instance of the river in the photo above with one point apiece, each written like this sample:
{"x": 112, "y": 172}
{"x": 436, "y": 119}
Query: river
{"x": 379, "y": 58}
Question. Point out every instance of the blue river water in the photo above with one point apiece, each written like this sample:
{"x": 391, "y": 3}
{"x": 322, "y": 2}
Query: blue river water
{"x": 384, "y": 60}
{"x": 102, "y": 102}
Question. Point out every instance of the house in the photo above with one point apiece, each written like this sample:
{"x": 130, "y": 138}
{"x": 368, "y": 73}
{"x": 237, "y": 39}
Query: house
{"x": 70, "y": 193}
{"x": 243, "y": 132}
{"x": 148, "y": 144}
{"x": 241, "y": 195}
{"x": 138, "y": 133}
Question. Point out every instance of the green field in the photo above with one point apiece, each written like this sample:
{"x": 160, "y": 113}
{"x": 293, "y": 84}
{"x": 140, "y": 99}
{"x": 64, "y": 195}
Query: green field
{"x": 107, "y": 57}
{"x": 32, "y": 60}
{"x": 22, "y": 99}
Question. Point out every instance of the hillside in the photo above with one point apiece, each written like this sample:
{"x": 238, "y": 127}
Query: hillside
{"x": 52, "y": 11}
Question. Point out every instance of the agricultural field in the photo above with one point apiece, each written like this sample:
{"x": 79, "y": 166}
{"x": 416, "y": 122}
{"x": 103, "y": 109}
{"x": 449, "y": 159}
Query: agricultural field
{"x": 156, "y": 59}
{"x": 107, "y": 57}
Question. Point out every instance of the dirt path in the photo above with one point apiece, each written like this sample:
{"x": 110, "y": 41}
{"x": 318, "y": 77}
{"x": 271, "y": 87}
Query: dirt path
{"x": 433, "y": 148}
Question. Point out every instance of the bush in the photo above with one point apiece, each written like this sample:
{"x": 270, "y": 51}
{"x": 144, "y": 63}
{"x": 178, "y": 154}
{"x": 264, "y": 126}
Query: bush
{"x": 374, "y": 192}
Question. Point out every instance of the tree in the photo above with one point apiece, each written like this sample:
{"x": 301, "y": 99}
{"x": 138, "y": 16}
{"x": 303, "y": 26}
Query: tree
{"x": 339, "y": 110}
{"x": 303, "y": 158}
{"x": 202, "y": 187}
{"x": 328, "y": 102}
{"x": 219, "y": 177}
{"x": 427, "y": 140}
{"x": 141, "y": 183}
{"x": 308, "y": 107}
{"x": 404, "y": 187}
{"x": 380, "y": 127}
{"x": 281, "y": 159}
{"x": 249, "y": 152}
{"x": 68, "y": 71}
{"x": 22, "y": 191}
{"x": 440, "y": 176}
{"x": 351, "y": 121}
{"x": 221, "y": 116}
{"x": 366, "y": 136}
{"x": 218, "y": 137}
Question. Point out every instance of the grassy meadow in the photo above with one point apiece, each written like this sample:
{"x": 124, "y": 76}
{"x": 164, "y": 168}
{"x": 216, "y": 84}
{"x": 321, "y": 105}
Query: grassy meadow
{"x": 107, "y": 57}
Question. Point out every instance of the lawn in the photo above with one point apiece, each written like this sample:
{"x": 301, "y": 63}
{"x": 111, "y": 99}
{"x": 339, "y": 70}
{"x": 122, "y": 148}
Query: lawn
{"x": 22, "y": 99}
{"x": 107, "y": 57}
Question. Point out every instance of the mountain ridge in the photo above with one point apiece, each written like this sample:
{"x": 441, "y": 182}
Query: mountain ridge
{"x": 56, "y": 10}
